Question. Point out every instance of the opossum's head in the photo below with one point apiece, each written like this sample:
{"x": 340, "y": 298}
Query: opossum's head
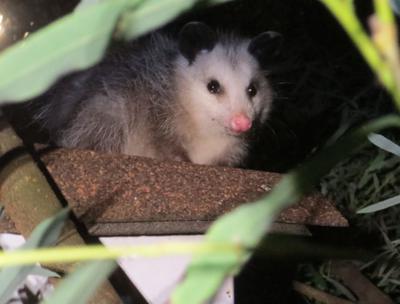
{"x": 220, "y": 79}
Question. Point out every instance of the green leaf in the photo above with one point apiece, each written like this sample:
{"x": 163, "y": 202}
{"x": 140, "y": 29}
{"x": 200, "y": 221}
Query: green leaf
{"x": 149, "y": 15}
{"x": 85, "y": 3}
{"x": 45, "y": 234}
{"x": 77, "y": 42}
{"x": 246, "y": 225}
{"x": 72, "y": 43}
{"x": 152, "y": 14}
{"x": 43, "y": 272}
{"x": 81, "y": 284}
{"x": 390, "y": 202}
{"x": 384, "y": 143}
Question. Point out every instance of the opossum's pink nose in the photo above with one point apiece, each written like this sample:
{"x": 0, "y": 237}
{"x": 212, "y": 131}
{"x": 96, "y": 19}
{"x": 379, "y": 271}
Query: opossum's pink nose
{"x": 240, "y": 123}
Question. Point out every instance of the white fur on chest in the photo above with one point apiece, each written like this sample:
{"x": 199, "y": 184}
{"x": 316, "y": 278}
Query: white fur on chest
{"x": 216, "y": 150}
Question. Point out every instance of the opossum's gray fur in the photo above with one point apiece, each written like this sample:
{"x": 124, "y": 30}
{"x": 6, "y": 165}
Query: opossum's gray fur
{"x": 134, "y": 102}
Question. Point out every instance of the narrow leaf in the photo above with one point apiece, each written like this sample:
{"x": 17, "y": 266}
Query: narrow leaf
{"x": 77, "y": 287}
{"x": 390, "y": 202}
{"x": 43, "y": 272}
{"x": 87, "y": 252}
{"x": 384, "y": 143}
{"x": 45, "y": 234}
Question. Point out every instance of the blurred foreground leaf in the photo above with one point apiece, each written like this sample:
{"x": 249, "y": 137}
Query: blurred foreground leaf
{"x": 88, "y": 252}
{"x": 152, "y": 14}
{"x": 78, "y": 41}
{"x": 246, "y": 225}
{"x": 46, "y": 234}
{"x": 74, "y": 42}
{"x": 43, "y": 272}
{"x": 77, "y": 287}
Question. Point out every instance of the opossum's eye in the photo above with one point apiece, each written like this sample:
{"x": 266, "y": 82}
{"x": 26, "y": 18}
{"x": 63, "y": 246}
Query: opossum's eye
{"x": 214, "y": 87}
{"x": 251, "y": 90}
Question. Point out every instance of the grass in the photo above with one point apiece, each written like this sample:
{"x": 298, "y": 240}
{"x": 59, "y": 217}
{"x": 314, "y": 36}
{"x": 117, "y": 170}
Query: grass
{"x": 363, "y": 179}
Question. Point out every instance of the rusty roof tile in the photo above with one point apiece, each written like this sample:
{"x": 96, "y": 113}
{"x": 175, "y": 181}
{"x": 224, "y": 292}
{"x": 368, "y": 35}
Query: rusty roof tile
{"x": 125, "y": 195}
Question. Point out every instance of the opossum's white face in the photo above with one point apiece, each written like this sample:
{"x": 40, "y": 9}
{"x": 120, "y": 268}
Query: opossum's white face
{"x": 224, "y": 89}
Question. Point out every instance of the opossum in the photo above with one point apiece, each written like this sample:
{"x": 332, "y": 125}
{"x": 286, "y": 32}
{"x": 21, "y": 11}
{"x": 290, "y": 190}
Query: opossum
{"x": 190, "y": 98}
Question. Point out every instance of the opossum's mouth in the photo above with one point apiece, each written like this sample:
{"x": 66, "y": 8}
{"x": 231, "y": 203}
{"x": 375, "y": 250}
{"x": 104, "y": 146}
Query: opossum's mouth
{"x": 229, "y": 131}
{"x": 232, "y": 133}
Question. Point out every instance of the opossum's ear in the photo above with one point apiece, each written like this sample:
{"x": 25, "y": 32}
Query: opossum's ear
{"x": 196, "y": 37}
{"x": 266, "y": 46}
